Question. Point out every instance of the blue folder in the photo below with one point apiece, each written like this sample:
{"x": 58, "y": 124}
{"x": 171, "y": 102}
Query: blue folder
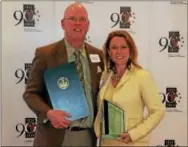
{"x": 66, "y": 91}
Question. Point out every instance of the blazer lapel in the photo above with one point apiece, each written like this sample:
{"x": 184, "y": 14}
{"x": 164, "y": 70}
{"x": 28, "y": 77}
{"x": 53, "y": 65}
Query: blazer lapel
{"x": 60, "y": 53}
{"x": 125, "y": 78}
{"x": 104, "y": 87}
{"x": 92, "y": 67}
{"x": 99, "y": 117}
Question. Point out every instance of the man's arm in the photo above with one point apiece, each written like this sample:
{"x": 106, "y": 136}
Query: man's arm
{"x": 34, "y": 92}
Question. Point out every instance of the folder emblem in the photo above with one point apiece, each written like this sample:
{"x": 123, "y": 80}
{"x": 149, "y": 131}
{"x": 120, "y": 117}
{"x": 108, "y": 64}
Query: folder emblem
{"x": 63, "y": 83}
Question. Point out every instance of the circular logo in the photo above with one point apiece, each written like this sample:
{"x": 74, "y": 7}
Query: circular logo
{"x": 29, "y": 15}
{"x": 125, "y": 17}
{"x": 63, "y": 83}
{"x": 171, "y": 97}
{"x": 174, "y": 40}
{"x": 30, "y": 127}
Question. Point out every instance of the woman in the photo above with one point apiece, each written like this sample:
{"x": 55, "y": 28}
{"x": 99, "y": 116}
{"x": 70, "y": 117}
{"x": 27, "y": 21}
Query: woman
{"x": 131, "y": 88}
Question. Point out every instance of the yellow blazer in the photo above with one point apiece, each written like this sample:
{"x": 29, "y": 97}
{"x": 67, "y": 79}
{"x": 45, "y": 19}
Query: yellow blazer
{"x": 135, "y": 90}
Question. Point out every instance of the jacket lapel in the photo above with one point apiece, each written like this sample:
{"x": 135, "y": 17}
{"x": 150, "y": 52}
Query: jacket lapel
{"x": 125, "y": 78}
{"x": 104, "y": 85}
{"x": 60, "y": 53}
{"x": 99, "y": 118}
{"x": 92, "y": 67}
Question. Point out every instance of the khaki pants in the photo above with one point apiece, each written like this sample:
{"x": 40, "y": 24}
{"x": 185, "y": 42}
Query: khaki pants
{"x": 77, "y": 138}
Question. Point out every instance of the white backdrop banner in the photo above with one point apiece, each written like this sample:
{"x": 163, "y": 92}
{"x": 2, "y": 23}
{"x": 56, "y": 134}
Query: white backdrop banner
{"x": 20, "y": 38}
{"x": 159, "y": 29}
{"x": 168, "y": 45}
{"x": 0, "y": 67}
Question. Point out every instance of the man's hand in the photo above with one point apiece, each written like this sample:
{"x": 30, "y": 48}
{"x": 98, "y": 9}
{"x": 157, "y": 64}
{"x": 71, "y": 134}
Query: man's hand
{"x": 58, "y": 118}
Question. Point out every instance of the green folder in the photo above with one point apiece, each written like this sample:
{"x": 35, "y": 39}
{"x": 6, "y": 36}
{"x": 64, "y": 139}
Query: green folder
{"x": 113, "y": 121}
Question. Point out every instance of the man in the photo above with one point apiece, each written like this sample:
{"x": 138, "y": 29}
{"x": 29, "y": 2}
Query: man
{"x": 53, "y": 126}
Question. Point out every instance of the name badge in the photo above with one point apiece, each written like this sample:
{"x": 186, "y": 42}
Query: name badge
{"x": 94, "y": 58}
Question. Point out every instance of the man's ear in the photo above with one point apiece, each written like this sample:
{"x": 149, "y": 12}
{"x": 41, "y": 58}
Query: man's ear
{"x": 88, "y": 24}
{"x": 62, "y": 24}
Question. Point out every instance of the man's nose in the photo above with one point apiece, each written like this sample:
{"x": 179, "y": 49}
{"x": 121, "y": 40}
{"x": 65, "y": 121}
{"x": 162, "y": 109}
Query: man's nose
{"x": 77, "y": 22}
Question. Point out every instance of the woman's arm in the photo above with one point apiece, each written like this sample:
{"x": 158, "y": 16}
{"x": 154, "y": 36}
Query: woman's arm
{"x": 153, "y": 102}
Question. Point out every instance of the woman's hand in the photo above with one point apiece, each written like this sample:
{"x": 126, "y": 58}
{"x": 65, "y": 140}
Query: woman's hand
{"x": 125, "y": 137}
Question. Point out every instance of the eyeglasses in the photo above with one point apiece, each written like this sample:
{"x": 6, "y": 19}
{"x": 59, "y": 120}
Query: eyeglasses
{"x": 74, "y": 19}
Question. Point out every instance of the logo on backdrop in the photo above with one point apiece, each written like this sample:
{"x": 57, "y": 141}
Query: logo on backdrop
{"x": 26, "y": 129}
{"x": 23, "y": 74}
{"x": 171, "y": 98}
{"x": 125, "y": 18}
{"x": 173, "y": 44}
{"x": 28, "y": 17}
{"x": 170, "y": 143}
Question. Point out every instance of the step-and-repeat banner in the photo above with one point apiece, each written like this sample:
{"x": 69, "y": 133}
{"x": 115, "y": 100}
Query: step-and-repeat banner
{"x": 0, "y": 61}
{"x": 159, "y": 29}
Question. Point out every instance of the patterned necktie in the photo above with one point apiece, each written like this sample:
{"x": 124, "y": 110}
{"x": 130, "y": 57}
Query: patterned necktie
{"x": 77, "y": 54}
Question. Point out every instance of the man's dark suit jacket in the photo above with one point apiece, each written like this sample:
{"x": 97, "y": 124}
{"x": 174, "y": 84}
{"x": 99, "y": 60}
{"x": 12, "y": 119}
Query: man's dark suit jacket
{"x": 36, "y": 95}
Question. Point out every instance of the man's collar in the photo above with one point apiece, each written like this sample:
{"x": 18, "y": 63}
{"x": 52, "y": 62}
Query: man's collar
{"x": 71, "y": 50}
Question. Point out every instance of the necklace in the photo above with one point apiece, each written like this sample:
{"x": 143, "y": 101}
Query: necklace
{"x": 116, "y": 77}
